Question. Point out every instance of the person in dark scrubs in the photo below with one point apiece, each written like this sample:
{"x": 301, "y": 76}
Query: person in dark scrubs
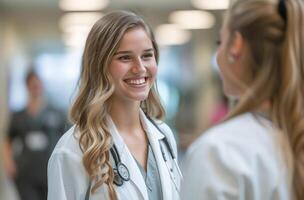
{"x": 32, "y": 135}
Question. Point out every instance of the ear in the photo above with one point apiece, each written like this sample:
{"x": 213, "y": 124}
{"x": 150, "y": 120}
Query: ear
{"x": 237, "y": 45}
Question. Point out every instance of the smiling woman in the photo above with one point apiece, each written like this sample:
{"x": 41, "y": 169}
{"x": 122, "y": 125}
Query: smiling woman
{"x": 118, "y": 148}
{"x": 133, "y": 67}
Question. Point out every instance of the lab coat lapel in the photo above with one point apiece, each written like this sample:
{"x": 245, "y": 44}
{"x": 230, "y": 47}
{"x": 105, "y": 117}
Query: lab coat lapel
{"x": 155, "y": 137}
{"x": 126, "y": 157}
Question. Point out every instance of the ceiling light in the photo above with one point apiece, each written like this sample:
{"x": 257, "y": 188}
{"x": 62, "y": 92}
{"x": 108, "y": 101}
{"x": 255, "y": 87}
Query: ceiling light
{"x": 192, "y": 19}
{"x": 171, "y": 34}
{"x": 78, "y": 22}
{"x": 83, "y": 5}
{"x": 76, "y": 26}
{"x": 211, "y": 5}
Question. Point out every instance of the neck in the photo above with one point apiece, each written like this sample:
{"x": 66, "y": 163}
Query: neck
{"x": 34, "y": 105}
{"x": 126, "y": 116}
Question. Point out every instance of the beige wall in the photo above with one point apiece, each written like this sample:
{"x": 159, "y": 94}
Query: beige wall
{"x": 3, "y": 109}
{"x": 7, "y": 190}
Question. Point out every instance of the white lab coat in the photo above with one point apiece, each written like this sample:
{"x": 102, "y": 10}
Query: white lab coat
{"x": 237, "y": 160}
{"x": 68, "y": 180}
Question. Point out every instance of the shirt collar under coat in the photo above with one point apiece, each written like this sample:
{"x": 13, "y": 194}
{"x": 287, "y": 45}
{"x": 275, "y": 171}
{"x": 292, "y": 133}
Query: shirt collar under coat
{"x": 126, "y": 157}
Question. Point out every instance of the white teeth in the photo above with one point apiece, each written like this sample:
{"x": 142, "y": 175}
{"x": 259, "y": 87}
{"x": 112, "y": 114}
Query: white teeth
{"x": 136, "y": 81}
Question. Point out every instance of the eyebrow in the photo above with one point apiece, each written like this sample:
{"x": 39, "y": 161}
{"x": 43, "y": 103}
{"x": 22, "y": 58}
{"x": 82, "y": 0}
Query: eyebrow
{"x": 130, "y": 52}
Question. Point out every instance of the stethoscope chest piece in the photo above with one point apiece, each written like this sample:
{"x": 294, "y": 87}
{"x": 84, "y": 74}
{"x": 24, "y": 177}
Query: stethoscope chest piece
{"x": 123, "y": 171}
{"x": 117, "y": 179}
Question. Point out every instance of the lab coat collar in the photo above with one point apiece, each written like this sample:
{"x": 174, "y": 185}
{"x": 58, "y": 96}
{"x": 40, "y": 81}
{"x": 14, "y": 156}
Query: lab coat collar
{"x": 154, "y": 137}
{"x": 149, "y": 127}
{"x": 127, "y": 159}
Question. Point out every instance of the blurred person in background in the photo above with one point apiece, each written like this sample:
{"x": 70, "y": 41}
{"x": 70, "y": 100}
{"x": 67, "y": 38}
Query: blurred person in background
{"x": 32, "y": 135}
{"x": 257, "y": 153}
{"x": 118, "y": 148}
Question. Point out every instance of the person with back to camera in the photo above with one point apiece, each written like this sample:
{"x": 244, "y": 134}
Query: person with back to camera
{"x": 118, "y": 148}
{"x": 257, "y": 152}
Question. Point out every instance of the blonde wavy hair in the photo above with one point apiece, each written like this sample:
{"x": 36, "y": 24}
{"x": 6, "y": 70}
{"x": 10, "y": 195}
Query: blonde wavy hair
{"x": 276, "y": 63}
{"x": 91, "y": 107}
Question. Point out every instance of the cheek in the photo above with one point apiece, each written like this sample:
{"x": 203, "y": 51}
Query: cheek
{"x": 220, "y": 62}
{"x": 224, "y": 71}
{"x": 220, "y": 57}
{"x": 153, "y": 69}
{"x": 116, "y": 70}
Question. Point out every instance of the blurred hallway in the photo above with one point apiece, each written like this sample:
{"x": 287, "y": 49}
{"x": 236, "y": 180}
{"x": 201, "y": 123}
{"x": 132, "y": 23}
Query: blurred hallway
{"x": 50, "y": 36}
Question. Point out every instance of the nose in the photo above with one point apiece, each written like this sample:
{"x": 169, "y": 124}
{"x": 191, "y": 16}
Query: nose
{"x": 139, "y": 66}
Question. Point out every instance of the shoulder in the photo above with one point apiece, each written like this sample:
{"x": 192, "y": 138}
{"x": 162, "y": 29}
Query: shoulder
{"x": 244, "y": 131}
{"x": 67, "y": 177}
{"x": 53, "y": 115}
{"x": 68, "y": 145}
{"x": 55, "y": 111}
{"x": 242, "y": 145}
{"x": 240, "y": 152}
{"x": 18, "y": 123}
{"x": 18, "y": 114}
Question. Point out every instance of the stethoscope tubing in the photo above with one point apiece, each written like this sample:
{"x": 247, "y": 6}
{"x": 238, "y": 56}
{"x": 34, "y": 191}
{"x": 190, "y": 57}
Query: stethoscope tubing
{"x": 117, "y": 160}
{"x": 123, "y": 171}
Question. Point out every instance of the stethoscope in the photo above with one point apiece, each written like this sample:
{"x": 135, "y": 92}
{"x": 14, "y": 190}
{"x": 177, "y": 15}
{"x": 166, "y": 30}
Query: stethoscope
{"x": 121, "y": 172}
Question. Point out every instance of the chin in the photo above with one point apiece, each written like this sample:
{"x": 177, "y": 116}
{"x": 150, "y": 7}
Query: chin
{"x": 139, "y": 97}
